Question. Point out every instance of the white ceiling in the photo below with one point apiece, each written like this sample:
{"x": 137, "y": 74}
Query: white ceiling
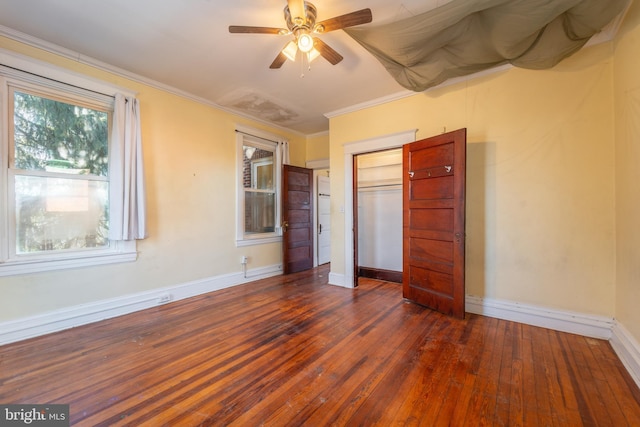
{"x": 185, "y": 45}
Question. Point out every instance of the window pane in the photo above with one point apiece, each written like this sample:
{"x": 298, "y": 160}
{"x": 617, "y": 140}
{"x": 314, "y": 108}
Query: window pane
{"x": 260, "y": 211}
{"x": 257, "y": 168}
{"x": 56, "y": 213}
{"x": 55, "y": 136}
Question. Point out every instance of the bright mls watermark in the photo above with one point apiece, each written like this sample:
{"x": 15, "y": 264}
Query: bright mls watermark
{"x": 34, "y": 415}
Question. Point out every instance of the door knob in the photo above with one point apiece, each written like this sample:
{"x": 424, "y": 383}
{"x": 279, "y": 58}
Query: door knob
{"x": 285, "y": 225}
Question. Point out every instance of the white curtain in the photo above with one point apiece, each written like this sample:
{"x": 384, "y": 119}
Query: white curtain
{"x": 283, "y": 146}
{"x": 127, "y": 207}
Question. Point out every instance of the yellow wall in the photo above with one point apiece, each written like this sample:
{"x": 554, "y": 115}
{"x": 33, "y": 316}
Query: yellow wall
{"x": 189, "y": 155}
{"x": 540, "y": 178}
{"x": 627, "y": 113}
{"x": 318, "y": 146}
{"x": 552, "y": 186}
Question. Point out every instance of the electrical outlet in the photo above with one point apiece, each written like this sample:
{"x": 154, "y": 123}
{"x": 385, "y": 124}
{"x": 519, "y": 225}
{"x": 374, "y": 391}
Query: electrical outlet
{"x": 163, "y": 299}
{"x": 244, "y": 259}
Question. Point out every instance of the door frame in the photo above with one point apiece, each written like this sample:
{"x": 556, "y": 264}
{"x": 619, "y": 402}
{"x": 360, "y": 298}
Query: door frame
{"x": 360, "y": 271}
{"x": 352, "y": 149}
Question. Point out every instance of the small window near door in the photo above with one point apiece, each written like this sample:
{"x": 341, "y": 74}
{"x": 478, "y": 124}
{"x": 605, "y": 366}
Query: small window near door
{"x": 259, "y": 190}
{"x": 259, "y": 194}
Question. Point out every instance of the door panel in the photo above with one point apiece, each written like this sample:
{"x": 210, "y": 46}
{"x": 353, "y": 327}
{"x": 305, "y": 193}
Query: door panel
{"x": 299, "y": 215}
{"x": 299, "y": 234}
{"x": 435, "y": 250}
{"x": 433, "y": 158}
{"x": 434, "y": 219}
{"x": 431, "y": 188}
{"x": 434, "y": 172}
{"x": 297, "y": 219}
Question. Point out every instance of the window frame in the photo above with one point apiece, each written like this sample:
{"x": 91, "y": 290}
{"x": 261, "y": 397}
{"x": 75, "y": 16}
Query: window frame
{"x": 255, "y": 138}
{"x": 40, "y": 78}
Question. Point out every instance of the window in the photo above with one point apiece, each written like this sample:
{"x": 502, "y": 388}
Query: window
{"x": 58, "y": 171}
{"x": 54, "y": 183}
{"x": 258, "y": 207}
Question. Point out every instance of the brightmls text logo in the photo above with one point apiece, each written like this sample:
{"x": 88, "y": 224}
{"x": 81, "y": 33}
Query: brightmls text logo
{"x": 34, "y": 415}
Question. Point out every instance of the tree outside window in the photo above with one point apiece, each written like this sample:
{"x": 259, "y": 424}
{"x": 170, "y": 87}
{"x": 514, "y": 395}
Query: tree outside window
{"x": 59, "y": 173}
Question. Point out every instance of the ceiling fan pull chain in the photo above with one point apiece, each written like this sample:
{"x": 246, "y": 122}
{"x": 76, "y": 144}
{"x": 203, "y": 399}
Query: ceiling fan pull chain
{"x": 308, "y": 61}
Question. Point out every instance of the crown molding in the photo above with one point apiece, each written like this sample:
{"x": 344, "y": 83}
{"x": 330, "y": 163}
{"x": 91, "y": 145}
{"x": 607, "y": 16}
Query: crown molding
{"x": 610, "y": 31}
{"x": 407, "y": 93}
{"x": 120, "y": 72}
{"x": 318, "y": 164}
{"x": 318, "y": 134}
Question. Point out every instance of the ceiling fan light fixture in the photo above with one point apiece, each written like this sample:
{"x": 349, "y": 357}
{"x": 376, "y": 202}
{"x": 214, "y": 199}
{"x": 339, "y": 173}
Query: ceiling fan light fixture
{"x": 313, "y": 54}
{"x": 290, "y": 51}
{"x": 305, "y": 42}
{"x": 300, "y": 17}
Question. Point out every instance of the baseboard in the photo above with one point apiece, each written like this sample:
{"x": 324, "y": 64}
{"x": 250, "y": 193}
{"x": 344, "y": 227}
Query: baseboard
{"x": 623, "y": 343}
{"x": 559, "y": 320}
{"x": 627, "y": 349}
{"x": 338, "y": 280}
{"x": 380, "y": 274}
{"x": 33, "y": 326}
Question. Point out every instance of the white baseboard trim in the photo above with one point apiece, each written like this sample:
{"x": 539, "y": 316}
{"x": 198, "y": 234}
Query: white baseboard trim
{"x": 627, "y": 349}
{"x": 623, "y": 343}
{"x": 33, "y": 326}
{"x": 559, "y": 320}
{"x": 337, "y": 279}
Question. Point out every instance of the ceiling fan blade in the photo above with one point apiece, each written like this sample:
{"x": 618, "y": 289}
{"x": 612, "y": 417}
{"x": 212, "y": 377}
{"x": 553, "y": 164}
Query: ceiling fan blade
{"x": 241, "y": 29}
{"x": 296, "y": 9}
{"x": 327, "y": 51}
{"x": 349, "y": 20}
{"x": 277, "y": 63}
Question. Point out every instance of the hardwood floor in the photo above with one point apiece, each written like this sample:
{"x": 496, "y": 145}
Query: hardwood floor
{"x": 292, "y": 350}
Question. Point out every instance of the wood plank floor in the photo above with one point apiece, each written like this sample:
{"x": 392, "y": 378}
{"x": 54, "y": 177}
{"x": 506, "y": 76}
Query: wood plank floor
{"x": 292, "y": 350}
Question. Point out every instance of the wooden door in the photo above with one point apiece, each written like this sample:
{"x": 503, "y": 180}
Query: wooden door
{"x": 324, "y": 220}
{"x": 434, "y": 172}
{"x": 297, "y": 219}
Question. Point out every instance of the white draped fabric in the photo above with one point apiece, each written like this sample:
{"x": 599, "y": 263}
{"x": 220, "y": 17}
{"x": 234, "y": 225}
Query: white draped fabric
{"x": 283, "y": 146}
{"x": 127, "y": 206}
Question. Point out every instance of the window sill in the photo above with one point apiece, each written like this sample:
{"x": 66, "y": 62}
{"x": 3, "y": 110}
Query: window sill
{"x": 258, "y": 241}
{"x": 124, "y": 252}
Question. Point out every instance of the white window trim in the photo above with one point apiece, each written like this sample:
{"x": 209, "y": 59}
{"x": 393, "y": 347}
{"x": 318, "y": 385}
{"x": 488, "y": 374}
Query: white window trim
{"x": 121, "y": 251}
{"x": 243, "y": 134}
{"x": 27, "y": 70}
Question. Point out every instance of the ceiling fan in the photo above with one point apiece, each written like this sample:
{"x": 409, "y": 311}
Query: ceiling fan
{"x": 300, "y": 17}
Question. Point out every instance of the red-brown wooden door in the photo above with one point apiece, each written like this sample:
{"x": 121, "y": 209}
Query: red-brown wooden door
{"x": 297, "y": 219}
{"x": 434, "y": 171}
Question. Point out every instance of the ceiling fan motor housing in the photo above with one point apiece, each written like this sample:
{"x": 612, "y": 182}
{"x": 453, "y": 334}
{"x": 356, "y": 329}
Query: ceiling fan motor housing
{"x": 305, "y": 23}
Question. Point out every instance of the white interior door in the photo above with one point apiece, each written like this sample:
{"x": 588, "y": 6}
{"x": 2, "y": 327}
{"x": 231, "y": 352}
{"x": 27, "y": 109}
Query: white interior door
{"x": 324, "y": 221}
